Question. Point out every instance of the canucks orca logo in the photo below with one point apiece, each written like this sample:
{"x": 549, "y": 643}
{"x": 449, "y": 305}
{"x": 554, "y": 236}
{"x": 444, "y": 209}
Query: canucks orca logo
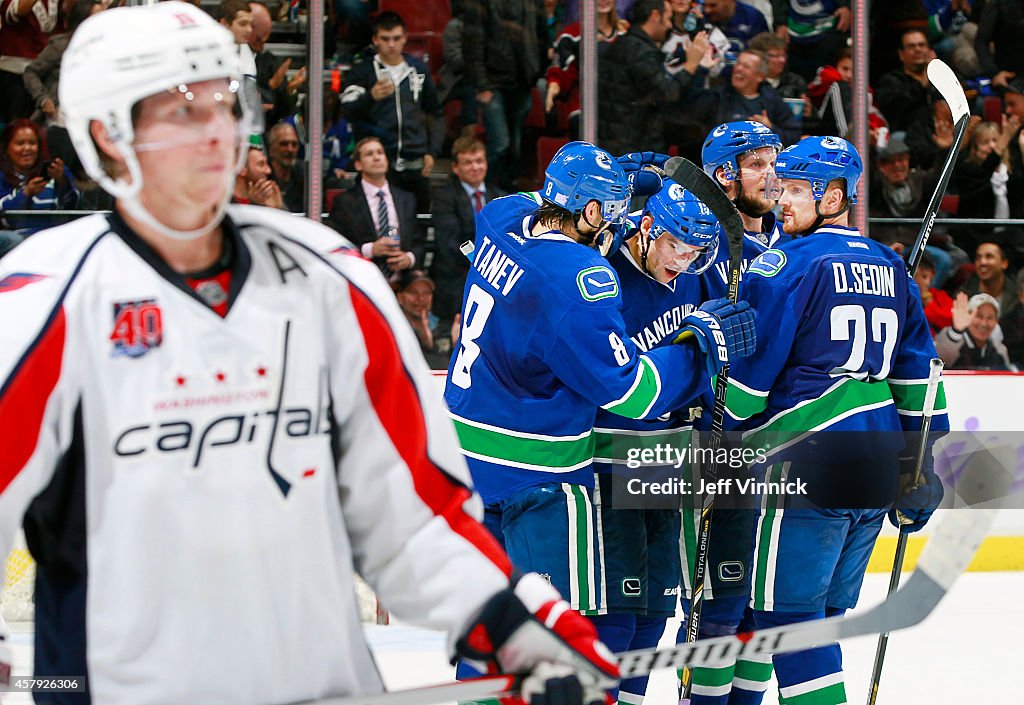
{"x": 603, "y": 161}
{"x": 18, "y": 280}
{"x": 768, "y": 263}
{"x": 720, "y": 130}
{"x": 676, "y": 192}
{"x": 596, "y": 283}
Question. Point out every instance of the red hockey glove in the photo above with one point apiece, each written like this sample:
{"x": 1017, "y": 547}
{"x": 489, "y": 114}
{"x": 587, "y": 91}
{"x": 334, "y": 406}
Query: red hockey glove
{"x": 531, "y": 631}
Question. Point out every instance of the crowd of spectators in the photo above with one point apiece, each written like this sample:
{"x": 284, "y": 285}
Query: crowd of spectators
{"x": 433, "y": 109}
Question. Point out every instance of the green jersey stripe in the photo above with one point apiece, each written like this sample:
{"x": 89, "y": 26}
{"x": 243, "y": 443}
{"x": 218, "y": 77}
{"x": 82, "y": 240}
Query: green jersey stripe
{"x": 614, "y": 445}
{"x": 641, "y": 396}
{"x": 842, "y": 400}
{"x": 742, "y": 402}
{"x": 910, "y": 397}
{"x": 504, "y": 448}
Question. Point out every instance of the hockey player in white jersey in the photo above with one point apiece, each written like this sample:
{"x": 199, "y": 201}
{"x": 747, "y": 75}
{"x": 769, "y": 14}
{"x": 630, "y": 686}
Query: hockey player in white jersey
{"x": 212, "y": 415}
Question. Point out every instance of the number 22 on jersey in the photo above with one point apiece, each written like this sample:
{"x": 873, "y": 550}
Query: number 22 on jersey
{"x": 884, "y": 329}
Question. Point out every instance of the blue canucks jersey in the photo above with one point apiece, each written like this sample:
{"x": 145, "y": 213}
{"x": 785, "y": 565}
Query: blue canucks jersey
{"x": 653, "y": 314}
{"x": 843, "y": 345}
{"x": 716, "y": 277}
{"x": 808, "y": 19}
{"x": 542, "y": 347}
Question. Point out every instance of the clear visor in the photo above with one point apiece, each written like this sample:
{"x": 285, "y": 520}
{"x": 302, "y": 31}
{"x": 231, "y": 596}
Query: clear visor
{"x": 758, "y": 165}
{"x": 791, "y": 190}
{"x": 214, "y": 117}
{"x": 192, "y": 114}
{"x": 683, "y": 258}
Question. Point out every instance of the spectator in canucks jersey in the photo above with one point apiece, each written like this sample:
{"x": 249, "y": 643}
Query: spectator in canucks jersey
{"x": 816, "y": 31}
{"x": 848, "y": 356}
{"x": 740, "y": 157}
{"x": 543, "y": 346}
{"x": 668, "y": 244}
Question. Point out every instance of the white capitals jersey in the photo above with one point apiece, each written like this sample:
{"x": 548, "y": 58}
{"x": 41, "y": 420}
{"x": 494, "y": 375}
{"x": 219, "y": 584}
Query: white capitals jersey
{"x": 196, "y": 489}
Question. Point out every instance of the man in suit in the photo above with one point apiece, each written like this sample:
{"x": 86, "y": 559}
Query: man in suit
{"x": 454, "y": 210}
{"x": 379, "y": 218}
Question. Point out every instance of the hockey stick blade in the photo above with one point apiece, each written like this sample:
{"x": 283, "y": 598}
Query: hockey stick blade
{"x": 946, "y": 83}
{"x": 944, "y": 558}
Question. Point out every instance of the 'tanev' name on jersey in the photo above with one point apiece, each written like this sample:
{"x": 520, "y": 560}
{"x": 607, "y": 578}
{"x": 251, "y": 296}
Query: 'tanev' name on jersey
{"x": 665, "y": 325}
{"x": 497, "y": 268}
{"x": 864, "y": 278}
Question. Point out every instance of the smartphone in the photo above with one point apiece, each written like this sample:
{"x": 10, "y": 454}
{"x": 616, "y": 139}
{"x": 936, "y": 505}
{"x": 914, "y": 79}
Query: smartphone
{"x": 46, "y": 166}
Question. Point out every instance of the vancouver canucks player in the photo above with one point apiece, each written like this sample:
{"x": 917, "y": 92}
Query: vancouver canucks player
{"x": 543, "y": 347}
{"x": 827, "y": 395}
{"x": 671, "y": 241}
{"x": 739, "y": 156}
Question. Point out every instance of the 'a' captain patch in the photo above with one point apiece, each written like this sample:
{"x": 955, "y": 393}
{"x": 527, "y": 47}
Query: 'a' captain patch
{"x": 768, "y": 263}
{"x": 597, "y": 283}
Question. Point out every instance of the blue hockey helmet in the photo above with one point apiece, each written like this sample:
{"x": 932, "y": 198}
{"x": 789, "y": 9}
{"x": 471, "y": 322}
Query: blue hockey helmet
{"x": 819, "y": 160}
{"x": 579, "y": 173}
{"x": 677, "y": 212}
{"x": 728, "y": 141}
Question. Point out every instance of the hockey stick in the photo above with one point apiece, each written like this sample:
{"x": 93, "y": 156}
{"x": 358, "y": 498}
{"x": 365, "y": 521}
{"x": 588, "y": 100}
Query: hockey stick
{"x": 696, "y": 181}
{"x": 944, "y": 558}
{"x": 934, "y": 373}
{"x": 946, "y": 83}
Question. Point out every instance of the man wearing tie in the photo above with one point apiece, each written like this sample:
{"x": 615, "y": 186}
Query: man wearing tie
{"x": 454, "y": 209}
{"x": 379, "y": 218}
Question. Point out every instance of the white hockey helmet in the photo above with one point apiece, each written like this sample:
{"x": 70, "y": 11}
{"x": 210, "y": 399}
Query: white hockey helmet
{"x": 120, "y": 56}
